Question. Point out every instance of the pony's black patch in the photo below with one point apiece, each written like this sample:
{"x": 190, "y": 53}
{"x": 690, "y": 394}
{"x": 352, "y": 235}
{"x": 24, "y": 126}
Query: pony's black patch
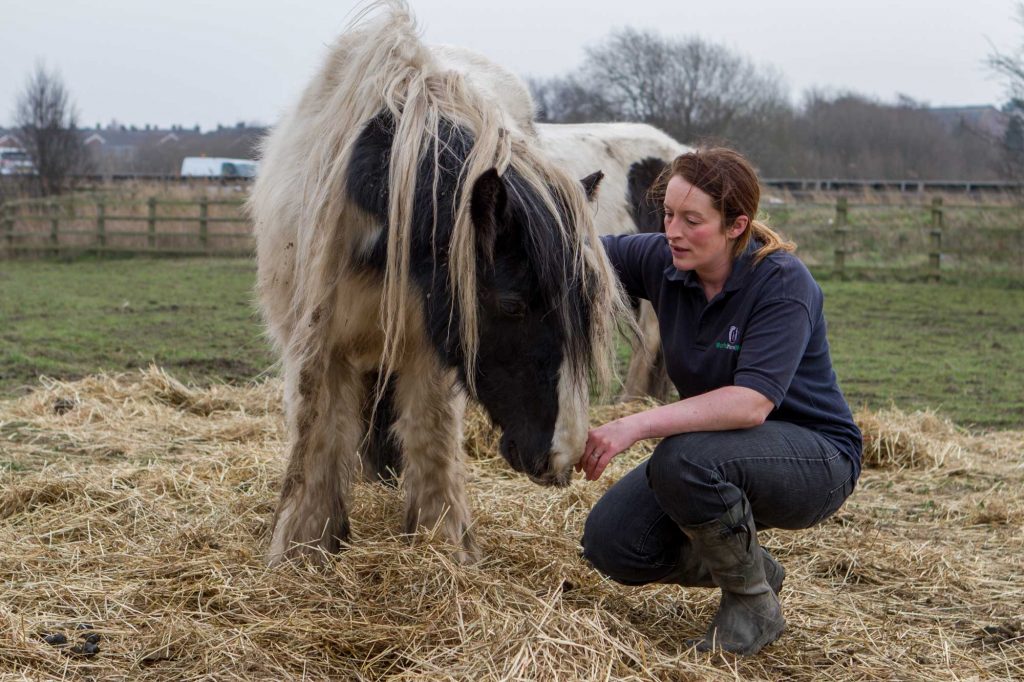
{"x": 382, "y": 451}
{"x": 367, "y": 180}
{"x": 370, "y": 165}
{"x": 648, "y": 215}
{"x": 525, "y": 305}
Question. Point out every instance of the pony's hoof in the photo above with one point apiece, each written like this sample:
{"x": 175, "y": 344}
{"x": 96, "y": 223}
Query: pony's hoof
{"x": 284, "y": 546}
{"x": 469, "y": 554}
{"x": 296, "y": 553}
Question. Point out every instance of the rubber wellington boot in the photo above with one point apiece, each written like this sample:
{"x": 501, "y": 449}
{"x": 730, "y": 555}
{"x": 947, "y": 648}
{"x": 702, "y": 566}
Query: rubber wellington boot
{"x": 692, "y": 572}
{"x": 749, "y": 615}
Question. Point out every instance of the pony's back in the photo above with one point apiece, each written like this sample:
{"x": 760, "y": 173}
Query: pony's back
{"x": 631, "y": 156}
{"x": 499, "y": 85}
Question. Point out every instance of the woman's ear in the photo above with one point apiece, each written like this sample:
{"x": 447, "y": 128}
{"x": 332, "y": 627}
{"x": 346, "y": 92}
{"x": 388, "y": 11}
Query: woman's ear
{"x": 741, "y": 223}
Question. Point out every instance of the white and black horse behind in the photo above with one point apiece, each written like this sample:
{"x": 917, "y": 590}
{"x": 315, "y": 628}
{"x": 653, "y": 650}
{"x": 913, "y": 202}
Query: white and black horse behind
{"x": 631, "y": 157}
{"x": 416, "y": 247}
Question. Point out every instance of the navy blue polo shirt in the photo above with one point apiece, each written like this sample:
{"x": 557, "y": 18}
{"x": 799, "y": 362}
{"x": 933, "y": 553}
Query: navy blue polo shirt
{"x": 765, "y": 331}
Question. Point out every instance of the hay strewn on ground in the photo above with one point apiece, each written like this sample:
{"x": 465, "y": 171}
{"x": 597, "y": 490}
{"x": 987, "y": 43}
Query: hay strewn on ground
{"x": 141, "y": 507}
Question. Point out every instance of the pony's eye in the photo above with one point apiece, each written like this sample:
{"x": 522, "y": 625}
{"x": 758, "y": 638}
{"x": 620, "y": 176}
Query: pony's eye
{"x": 513, "y": 307}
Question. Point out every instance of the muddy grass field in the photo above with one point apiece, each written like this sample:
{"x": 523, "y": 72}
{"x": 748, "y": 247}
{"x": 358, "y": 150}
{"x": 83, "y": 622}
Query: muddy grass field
{"x": 134, "y": 513}
{"x": 955, "y": 349}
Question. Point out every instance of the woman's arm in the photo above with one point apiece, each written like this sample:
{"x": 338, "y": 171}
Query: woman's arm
{"x": 634, "y": 257}
{"x": 723, "y": 409}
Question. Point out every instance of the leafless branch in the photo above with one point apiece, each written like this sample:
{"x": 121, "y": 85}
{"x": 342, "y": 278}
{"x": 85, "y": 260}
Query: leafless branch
{"x": 47, "y": 124}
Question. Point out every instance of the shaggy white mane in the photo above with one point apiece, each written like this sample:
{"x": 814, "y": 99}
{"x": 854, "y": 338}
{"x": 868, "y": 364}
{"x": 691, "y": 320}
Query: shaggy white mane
{"x": 380, "y": 64}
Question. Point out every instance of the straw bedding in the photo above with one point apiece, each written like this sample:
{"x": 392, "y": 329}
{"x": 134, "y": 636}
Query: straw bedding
{"x": 138, "y": 509}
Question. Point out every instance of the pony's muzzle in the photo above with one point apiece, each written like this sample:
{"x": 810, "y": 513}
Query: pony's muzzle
{"x": 559, "y": 479}
{"x": 537, "y": 469}
{"x": 512, "y": 456}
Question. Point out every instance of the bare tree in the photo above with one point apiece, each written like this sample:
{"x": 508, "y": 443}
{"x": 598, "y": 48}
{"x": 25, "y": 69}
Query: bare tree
{"x": 637, "y": 73}
{"x": 1010, "y": 65}
{"x": 568, "y": 100}
{"x": 47, "y": 124}
{"x": 702, "y": 93}
{"x": 848, "y": 135}
{"x": 691, "y": 88}
{"x": 1012, "y": 144}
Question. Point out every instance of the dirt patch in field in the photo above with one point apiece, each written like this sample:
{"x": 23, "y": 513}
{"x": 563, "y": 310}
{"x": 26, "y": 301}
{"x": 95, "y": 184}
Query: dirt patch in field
{"x": 135, "y": 510}
{"x": 226, "y": 369}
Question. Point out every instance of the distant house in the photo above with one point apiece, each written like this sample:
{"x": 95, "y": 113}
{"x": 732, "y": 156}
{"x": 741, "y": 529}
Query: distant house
{"x": 117, "y": 148}
{"x": 8, "y": 139}
{"x": 984, "y": 119}
{"x": 121, "y": 149}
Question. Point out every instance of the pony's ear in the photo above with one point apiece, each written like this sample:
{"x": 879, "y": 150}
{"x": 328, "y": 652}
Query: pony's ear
{"x": 370, "y": 164}
{"x": 590, "y": 184}
{"x": 487, "y": 207}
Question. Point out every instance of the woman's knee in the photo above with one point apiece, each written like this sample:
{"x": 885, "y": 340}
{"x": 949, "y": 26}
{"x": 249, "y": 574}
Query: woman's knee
{"x": 679, "y": 463}
{"x": 684, "y": 476}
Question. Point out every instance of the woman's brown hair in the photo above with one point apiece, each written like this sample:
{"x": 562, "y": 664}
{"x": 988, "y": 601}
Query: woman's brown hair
{"x": 731, "y": 182}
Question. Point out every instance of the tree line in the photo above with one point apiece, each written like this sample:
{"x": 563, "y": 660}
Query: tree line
{"x": 702, "y": 93}
{"x": 695, "y": 90}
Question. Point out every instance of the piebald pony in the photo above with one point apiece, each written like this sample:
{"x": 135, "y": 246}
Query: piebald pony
{"x": 416, "y": 247}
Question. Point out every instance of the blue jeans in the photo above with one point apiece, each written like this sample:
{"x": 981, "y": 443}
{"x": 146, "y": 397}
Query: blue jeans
{"x": 792, "y": 477}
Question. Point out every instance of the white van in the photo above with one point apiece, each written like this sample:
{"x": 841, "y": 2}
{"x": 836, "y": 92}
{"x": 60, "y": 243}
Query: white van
{"x": 215, "y": 167}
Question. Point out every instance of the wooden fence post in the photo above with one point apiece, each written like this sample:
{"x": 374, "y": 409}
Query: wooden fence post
{"x": 203, "y": 210}
{"x": 151, "y": 236}
{"x": 8, "y": 214}
{"x": 935, "y": 256}
{"x": 1020, "y": 247}
{"x": 54, "y": 227}
{"x": 842, "y": 215}
{"x": 101, "y": 223}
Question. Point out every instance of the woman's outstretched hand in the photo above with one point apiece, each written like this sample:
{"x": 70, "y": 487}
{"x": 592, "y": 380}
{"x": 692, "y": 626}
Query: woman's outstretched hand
{"x": 725, "y": 408}
{"x": 604, "y": 443}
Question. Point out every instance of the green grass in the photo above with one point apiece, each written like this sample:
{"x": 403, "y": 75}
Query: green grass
{"x": 195, "y": 317}
{"x": 957, "y": 349}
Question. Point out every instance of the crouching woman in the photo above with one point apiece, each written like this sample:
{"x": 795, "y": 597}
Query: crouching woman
{"x": 762, "y": 436}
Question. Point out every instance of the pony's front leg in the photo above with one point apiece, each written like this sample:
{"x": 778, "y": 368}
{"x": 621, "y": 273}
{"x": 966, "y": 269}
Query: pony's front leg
{"x": 430, "y": 408}
{"x": 322, "y": 403}
{"x": 646, "y": 375}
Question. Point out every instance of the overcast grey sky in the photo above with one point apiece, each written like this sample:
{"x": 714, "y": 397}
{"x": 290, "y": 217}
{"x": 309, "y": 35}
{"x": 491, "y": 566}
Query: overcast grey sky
{"x": 222, "y": 61}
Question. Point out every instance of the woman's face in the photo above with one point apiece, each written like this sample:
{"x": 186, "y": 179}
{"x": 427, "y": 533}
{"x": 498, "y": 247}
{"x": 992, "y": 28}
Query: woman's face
{"x": 693, "y": 227}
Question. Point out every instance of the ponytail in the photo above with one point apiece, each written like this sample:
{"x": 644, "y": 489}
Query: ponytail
{"x": 771, "y": 241}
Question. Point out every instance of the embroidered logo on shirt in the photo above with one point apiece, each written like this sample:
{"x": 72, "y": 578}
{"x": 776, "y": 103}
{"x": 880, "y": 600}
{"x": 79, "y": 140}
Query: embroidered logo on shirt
{"x": 734, "y": 336}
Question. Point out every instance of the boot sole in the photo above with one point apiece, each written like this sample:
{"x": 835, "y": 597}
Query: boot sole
{"x": 703, "y": 645}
